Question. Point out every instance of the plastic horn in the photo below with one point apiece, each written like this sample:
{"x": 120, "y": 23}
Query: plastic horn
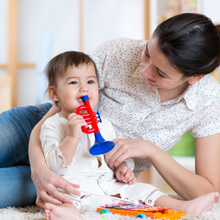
{"x": 101, "y": 146}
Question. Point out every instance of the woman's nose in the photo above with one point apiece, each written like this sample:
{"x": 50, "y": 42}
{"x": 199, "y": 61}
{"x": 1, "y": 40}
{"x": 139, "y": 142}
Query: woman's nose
{"x": 147, "y": 70}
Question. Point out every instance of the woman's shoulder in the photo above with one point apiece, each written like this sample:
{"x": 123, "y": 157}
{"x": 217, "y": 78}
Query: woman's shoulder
{"x": 206, "y": 108}
{"x": 202, "y": 94}
{"x": 121, "y": 44}
{"x": 209, "y": 86}
{"x": 128, "y": 42}
{"x": 208, "y": 91}
{"x": 210, "y": 78}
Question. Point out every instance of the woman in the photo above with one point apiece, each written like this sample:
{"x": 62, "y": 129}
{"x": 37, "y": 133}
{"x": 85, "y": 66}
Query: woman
{"x": 154, "y": 102}
{"x": 153, "y": 92}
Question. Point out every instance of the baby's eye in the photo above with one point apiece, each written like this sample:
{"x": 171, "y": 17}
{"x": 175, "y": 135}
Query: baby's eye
{"x": 73, "y": 82}
{"x": 91, "y": 82}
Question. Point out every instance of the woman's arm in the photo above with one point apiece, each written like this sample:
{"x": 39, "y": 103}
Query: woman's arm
{"x": 185, "y": 183}
{"x": 46, "y": 181}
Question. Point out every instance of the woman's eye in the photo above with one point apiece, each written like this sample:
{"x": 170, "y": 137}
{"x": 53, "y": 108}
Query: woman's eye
{"x": 147, "y": 54}
{"x": 160, "y": 74}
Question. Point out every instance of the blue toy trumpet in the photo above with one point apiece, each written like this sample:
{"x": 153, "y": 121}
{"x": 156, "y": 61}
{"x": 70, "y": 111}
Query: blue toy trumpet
{"x": 101, "y": 146}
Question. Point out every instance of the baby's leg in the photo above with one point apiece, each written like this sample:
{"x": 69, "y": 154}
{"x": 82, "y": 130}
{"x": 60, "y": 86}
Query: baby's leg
{"x": 195, "y": 206}
{"x": 64, "y": 211}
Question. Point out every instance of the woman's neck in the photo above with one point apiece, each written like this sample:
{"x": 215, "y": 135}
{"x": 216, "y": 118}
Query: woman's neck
{"x": 170, "y": 94}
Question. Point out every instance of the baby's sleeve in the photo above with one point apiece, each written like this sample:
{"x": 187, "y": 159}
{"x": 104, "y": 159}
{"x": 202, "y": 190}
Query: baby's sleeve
{"x": 50, "y": 140}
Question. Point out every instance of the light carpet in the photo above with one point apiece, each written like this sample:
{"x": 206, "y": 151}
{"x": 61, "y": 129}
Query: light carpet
{"x": 35, "y": 213}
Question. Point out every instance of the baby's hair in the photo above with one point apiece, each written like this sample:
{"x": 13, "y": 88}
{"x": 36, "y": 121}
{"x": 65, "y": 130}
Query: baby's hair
{"x": 191, "y": 42}
{"x": 60, "y": 63}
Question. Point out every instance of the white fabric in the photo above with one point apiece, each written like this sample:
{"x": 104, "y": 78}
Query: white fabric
{"x": 84, "y": 168}
{"x": 134, "y": 108}
{"x": 53, "y": 132}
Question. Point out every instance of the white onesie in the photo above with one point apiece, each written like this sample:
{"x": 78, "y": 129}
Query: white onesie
{"x": 90, "y": 172}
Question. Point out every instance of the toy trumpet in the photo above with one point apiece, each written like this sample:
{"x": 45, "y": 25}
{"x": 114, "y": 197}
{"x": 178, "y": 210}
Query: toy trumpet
{"x": 101, "y": 146}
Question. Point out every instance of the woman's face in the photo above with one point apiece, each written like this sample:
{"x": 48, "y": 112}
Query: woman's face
{"x": 158, "y": 71}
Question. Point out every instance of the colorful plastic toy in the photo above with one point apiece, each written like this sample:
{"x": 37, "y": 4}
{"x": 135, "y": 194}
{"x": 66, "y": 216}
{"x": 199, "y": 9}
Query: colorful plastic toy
{"x": 101, "y": 146}
{"x": 141, "y": 211}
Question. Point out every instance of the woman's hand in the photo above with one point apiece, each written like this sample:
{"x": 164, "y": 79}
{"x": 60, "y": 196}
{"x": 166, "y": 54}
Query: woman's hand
{"x": 47, "y": 182}
{"x": 128, "y": 148}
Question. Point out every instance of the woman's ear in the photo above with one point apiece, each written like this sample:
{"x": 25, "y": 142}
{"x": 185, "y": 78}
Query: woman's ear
{"x": 193, "y": 79}
{"x": 52, "y": 93}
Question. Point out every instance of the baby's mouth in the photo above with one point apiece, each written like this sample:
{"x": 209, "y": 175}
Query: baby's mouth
{"x": 80, "y": 101}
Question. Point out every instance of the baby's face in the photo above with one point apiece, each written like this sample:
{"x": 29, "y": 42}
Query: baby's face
{"x": 77, "y": 82}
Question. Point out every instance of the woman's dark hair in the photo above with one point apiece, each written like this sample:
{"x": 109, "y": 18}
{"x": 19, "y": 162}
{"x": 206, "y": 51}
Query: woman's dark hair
{"x": 191, "y": 42}
{"x": 60, "y": 63}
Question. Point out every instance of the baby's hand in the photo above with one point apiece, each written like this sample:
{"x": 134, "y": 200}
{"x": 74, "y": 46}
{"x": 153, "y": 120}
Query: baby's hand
{"x": 75, "y": 122}
{"x": 124, "y": 174}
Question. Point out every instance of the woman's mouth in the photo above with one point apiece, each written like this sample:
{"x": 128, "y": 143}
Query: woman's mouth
{"x": 151, "y": 82}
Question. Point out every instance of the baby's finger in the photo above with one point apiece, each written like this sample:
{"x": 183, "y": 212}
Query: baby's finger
{"x": 127, "y": 173}
{"x": 132, "y": 178}
{"x": 132, "y": 181}
{"x": 129, "y": 176}
{"x": 74, "y": 116}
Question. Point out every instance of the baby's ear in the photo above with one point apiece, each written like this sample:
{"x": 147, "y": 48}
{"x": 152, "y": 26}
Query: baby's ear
{"x": 193, "y": 79}
{"x": 52, "y": 93}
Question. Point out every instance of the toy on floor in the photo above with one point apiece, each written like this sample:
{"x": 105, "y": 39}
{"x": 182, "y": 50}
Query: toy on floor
{"x": 141, "y": 211}
{"x": 101, "y": 146}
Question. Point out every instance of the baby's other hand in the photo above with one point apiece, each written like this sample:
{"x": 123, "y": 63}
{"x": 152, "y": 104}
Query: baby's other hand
{"x": 124, "y": 174}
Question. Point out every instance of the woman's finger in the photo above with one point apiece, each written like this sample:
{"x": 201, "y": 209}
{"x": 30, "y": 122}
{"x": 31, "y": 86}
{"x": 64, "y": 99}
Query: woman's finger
{"x": 118, "y": 157}
{"x": 110, "y": 153}
{"x": 39, "y": 202}
{"x": 54, "y": 188}
{"x": 48, "y": 198}
{"x": 67, "y": 186}
{"x": 60, "y": 188}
